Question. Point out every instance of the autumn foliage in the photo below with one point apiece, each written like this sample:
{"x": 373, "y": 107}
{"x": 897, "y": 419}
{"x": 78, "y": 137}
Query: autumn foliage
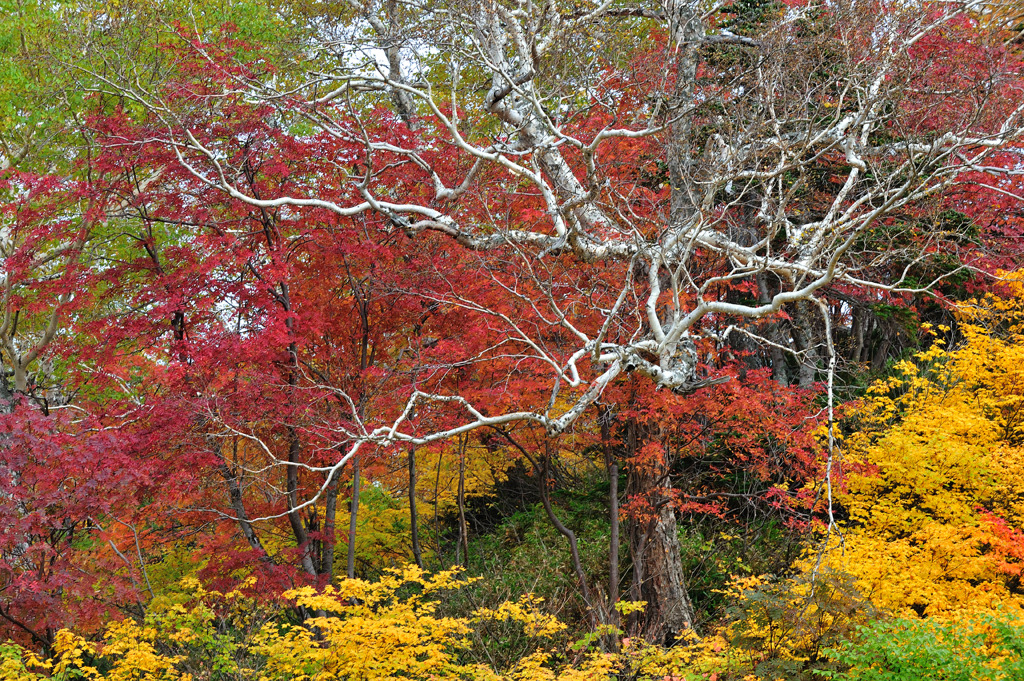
{"x": 933, "y": 461}
{"x": 505, "y": 340}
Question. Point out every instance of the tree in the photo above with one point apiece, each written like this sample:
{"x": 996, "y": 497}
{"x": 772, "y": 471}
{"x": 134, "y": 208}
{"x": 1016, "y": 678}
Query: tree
{"x": 551, "y": 224}
{"x": 74, "y": 483}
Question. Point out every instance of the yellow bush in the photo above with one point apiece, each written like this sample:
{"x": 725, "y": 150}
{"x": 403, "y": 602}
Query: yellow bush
{"x": 934, "y": 488}
{"x": 359, "y": 630}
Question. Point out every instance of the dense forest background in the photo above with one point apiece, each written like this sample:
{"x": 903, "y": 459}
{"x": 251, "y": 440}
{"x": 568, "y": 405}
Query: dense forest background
{"x": 502, "y": 339}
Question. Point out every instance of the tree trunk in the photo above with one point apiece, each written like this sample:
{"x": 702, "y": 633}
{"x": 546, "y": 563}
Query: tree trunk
{"x": 663, "y": 568}
{"x": 229, "y": 473}
{"x": 658, "y": 576}
{"x": 437, "y": 497}
{"x": 780, "y": 370}
{"x": 294, "y": 518}
{"x": 353, "y": 519}
{"x": 329, "y": 540}
{"x": 654, "y": 544}
{"x": 612, "y": 467}
{"x": 806, "y": 342}
{"x": 6, "y": 394}
{"x": 461, "y": 501}
{"x": 613, "y": 541}
{"x": 574, "y": 552}
{"x": 413, "y": 515}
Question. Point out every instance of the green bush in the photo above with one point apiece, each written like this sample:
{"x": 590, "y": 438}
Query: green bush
{"x": 983, "y": 648}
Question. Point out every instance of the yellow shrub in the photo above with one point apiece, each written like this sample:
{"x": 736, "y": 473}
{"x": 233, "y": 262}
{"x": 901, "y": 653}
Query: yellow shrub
{"x": 936, "y": 468}
{"x": 359, "y": 630}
